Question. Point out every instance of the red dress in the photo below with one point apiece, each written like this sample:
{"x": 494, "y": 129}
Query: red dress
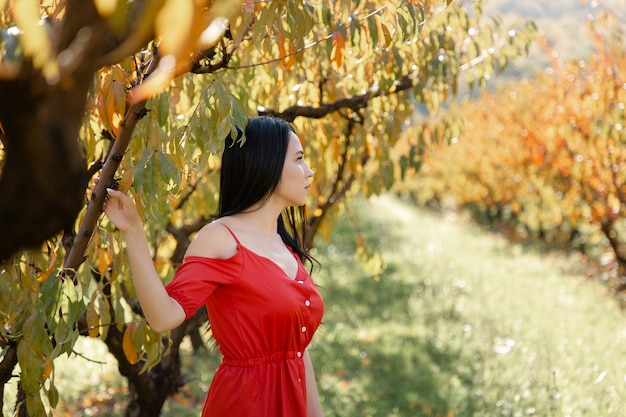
{"x": 262, "y": 320}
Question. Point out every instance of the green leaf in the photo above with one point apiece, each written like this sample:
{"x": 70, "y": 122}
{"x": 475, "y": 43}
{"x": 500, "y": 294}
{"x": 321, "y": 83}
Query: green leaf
{"x": 31, "y": 367}
{"x": 373, "y": 30}
{"x": 162, "y": 109}
{"x": 102, "y": 308}
{"x": 34, "y": 405}
{"x": 53, "y": 395}
{"x": 75, "y": 306}
{"x": 170, "y": 174}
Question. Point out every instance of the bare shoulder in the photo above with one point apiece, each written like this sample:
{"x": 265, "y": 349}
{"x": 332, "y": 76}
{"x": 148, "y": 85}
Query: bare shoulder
{"x": 213, "y": 241}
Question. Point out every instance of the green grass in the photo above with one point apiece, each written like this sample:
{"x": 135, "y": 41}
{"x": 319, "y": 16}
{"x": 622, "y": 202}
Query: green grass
{"x": 461, "y": 323}
{"x": 458, "y": 323}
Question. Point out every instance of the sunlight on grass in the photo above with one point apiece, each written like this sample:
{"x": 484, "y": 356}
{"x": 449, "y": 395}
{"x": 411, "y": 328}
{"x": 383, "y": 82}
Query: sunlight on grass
{"x": 458, "y": 322}
{"x": 463, "y": 324}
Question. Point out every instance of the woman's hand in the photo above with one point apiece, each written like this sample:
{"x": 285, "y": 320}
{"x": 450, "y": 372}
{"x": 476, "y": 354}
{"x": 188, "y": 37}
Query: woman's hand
{"x": 121, "y": 210}
{"x": 162, "y": 312}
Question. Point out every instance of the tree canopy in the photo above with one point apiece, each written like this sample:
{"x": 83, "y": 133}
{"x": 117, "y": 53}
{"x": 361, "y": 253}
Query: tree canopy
{"x": 143, "y": 95}
{"x": 545, "y": 158}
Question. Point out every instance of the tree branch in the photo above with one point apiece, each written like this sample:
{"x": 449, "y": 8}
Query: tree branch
{"x": 354, "y": 103}
{"x": 94, "y": 208}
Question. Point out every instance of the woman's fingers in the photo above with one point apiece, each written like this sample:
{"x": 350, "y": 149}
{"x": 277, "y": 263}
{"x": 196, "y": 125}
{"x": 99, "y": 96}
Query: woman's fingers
{"x": 110, "y": 192}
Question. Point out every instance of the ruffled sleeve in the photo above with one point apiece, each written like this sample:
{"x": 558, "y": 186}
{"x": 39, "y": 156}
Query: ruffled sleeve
{"x": 198, "y": 277}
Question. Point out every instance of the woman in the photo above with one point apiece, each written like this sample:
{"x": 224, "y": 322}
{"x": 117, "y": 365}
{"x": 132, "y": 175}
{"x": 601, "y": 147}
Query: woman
{"x": 247, "y": 268}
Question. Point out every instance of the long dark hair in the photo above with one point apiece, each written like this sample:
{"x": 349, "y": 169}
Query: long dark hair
{"x": 252, "y": 164}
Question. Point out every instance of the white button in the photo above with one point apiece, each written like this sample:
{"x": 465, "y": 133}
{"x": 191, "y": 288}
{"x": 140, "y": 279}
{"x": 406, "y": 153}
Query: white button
{"x": 299, "y": 354}
{"x": 300, "y": 282}
{"x": 307, "y": 303}
{"x": 303, "y": 329}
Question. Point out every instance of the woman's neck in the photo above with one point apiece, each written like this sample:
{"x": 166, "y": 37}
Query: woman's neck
{"x": 260, "y": 220}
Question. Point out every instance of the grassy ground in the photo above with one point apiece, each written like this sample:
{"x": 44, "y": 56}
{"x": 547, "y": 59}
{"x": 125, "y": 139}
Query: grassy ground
{"x": 461, "y": 323}
{"x": 457, "y": 323}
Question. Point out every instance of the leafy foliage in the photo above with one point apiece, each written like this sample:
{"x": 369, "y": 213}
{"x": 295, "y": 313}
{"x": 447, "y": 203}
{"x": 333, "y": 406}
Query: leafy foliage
{"x": 546, "y": 158}
{"x": 353, "y": 77}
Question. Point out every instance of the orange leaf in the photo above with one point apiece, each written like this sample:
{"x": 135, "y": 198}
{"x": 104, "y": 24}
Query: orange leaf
{"x": 130, "y": 351}
{"x": 47, "y": 370}
{"x": 103, "y": 93}
{"x": 104, "y": 260}
{"x": 339, "y": 45}
{"x": 285, "y": 49}
{"x": 116, "y": 106}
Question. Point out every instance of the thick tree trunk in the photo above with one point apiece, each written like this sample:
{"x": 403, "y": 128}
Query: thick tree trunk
{"x": 148, "y": 391}
{"x": 44, "y": 178}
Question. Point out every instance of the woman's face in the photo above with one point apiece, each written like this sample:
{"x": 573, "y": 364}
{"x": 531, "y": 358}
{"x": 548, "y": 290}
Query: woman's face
{"x": 295, "y": 179}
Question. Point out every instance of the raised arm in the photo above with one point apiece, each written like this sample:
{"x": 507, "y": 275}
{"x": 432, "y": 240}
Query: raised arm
{"x": 161, "y": 311}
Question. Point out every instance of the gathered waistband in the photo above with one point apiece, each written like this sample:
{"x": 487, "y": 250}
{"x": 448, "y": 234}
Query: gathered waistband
{"x": 263, "y": 360}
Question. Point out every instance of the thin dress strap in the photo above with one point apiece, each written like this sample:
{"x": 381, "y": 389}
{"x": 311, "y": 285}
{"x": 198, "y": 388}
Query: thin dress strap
{"x": 232, "y": 233}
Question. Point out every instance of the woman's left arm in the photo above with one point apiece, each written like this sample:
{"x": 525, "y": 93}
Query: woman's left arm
{"x": 314, "y": 405}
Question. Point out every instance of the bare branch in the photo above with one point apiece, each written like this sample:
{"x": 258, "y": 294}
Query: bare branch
{"x": 353, "y": 103}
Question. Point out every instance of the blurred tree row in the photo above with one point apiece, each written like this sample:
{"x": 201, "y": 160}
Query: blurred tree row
{"x": 545, "y": 158}
{"x": 142, "y": 94}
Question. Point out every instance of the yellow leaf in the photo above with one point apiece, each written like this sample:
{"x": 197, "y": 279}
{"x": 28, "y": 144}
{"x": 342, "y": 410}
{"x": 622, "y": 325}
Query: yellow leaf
{"x": 35, "y": 38}
{"x": 173, "y": 26}
{"x": 185, "y": 176}
{"x": 93, "y": 320}
{"x": 127, "y": 179}
{"x": 105, "y": 7}
{"x": 141, "y": 210}
{"x": 130, "y": 351}
{"x": 386, "y": 35}
{"x": 51, "y": 266}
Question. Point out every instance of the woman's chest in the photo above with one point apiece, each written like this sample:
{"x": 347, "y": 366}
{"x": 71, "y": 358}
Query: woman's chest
{"x": 265, "y": 307}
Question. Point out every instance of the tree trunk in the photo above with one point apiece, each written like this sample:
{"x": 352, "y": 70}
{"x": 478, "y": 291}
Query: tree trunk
{"x": 148, "y": 391}
{"x": 20, "y": 402}
{"x": 43, "y": 180}
{"x": 44, "y": 177}
{"x": 6, "y": 368}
